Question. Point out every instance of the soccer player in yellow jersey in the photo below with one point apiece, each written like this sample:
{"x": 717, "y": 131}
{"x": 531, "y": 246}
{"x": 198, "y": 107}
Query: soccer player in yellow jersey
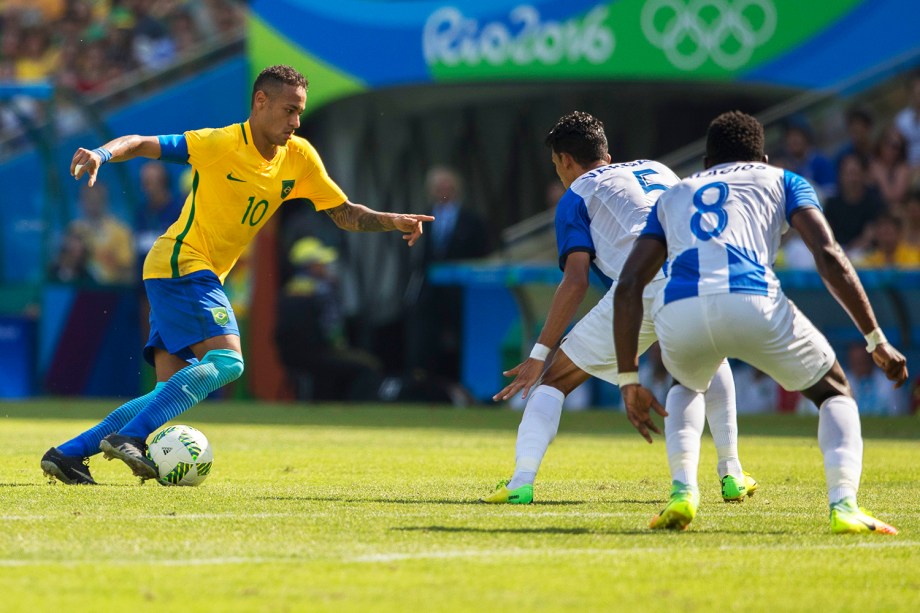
{"x": 242, "y": 174}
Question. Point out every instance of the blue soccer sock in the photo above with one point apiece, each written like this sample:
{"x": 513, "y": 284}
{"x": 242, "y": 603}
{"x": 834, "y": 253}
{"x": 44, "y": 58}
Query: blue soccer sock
{"x": 87, "y": 444}
{"x": 185, "y": 389}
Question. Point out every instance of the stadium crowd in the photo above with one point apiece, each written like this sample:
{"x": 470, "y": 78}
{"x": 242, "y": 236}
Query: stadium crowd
{"x": 89, "y": 47}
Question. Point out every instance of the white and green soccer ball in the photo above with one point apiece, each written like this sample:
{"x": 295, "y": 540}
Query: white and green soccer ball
{"x": 182, "y": 454}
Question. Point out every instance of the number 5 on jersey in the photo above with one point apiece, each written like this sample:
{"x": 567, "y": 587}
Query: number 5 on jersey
{"x": 254, "y": 214}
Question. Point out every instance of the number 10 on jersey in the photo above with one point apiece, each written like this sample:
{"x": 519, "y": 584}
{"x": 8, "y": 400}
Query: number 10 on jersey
{"x": 255, "y": 211}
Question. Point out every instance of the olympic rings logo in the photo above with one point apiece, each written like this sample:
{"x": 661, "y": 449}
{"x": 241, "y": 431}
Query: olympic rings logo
{"x": 725, "y": 31}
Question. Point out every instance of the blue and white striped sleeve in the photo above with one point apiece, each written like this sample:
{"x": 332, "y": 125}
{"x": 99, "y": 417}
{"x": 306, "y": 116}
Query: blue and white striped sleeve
{"x": 573, "y": 227}
{"x": 799, "y": 194}
{"x": 653, "y": 227}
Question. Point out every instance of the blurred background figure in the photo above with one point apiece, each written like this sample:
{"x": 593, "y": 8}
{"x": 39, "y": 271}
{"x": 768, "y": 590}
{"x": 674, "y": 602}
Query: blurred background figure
{"x": 755, "y": 392}
{"x": 653, "y": 375}
{"x": 889, "y": 171}
{"x": 908, "y": 122}
{"x": 802, "y": 157}
{"x": 855, "y": 206}
{"x": 160, "y": 207}
{"x": 873, "y": 393}
{"x": 888, "y": 247}
{"x": 910, "y": 214}
{"x": 111, "y": 243}
{"x": 458, "y": 233}
{"x": 71, "y": 264}
{"x": 310, "y": 334}
{"x": 859, "y": 125}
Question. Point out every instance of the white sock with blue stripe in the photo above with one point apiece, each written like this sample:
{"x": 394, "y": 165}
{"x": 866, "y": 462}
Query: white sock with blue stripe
{"x": 185, "y": 389}
{"x": 87, "y": 444}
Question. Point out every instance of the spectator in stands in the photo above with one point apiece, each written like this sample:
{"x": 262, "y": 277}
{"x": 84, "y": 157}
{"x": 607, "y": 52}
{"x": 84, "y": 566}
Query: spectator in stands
{"x": 910, "y": 214}
{"x": 71, "y": 265}
{"x": 851, "y": 211}
{"x": 794, "y": 254}
{"x": 36, "y": 61}
{"x": 859, "y": 124}
{"x": 310, "y": 331}
{"x": 889, "y": 170}
{"x": 458, "y": 234}
{"x": 160, "y": 208}
{"x": 111, "y": 244}
{"x": 801, "y": 156}
{"x": 184, "y": 32}
{"x": 153, "y": 47}
{"x": 908, "y": 121}
{"x": 889, "y": 249}
{"x": 873, "y": 393}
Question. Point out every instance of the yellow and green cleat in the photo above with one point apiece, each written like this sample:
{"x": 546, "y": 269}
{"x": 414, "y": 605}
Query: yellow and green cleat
{"x": 734, "y": 491}
{"x": 502, "y": 495}
{"x": 847, "y": 518}
{"x": 680, "y": 510}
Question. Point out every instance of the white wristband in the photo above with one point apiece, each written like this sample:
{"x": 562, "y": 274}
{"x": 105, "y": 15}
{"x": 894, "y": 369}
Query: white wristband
{"x": 874, "y": 339}
{"x": 539, "y": 352}
{"x": 627, "y": 378}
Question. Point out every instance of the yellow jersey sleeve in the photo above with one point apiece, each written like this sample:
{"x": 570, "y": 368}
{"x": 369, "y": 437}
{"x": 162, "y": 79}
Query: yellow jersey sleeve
{"x": 315, "y": 184}
{"x": 209, "y": 145}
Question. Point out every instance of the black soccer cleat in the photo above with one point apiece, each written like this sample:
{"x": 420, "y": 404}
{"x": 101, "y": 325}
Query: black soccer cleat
{"x": 69, "y": 469}
{"x": 131, "y": 451}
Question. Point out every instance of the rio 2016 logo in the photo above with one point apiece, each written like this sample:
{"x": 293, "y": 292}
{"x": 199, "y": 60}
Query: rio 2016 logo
{"x": 725, "y": 31}
{"x": 451, "y": 39}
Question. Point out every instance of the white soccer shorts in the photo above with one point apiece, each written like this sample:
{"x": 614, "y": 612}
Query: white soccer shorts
{"x": 770, "y": 334}
{"x": 590, "y": 343}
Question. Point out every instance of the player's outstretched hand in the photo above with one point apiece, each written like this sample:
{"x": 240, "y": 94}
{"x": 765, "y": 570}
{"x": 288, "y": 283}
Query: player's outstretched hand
{"x": 639, "y": 402}
{"x": 85, "y": 162}
{"x": 892, "y": 362}
{"x": 525, "y": 374}
{"x": 411, "y": 226}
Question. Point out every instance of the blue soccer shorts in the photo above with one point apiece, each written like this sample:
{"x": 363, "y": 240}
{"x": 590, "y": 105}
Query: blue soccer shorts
{"x": 187, "y": 310}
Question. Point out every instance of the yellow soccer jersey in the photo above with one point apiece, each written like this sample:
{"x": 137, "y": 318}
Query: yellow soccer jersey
{"x": 234, "y": 192}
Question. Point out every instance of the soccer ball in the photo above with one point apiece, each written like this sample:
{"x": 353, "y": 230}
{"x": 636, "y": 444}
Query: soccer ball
{"x": 182, "y": 454}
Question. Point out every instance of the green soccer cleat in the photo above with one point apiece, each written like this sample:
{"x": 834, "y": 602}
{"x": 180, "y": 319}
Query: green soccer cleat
{"x": 502, "y": 495}
{"x": 733, "y": 491}
{"x": 680, "y": 510}
{"x": 847, "y": 518}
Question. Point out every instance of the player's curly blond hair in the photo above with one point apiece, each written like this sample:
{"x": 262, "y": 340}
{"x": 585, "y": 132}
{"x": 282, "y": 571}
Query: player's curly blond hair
{"x": 273, "y": 76}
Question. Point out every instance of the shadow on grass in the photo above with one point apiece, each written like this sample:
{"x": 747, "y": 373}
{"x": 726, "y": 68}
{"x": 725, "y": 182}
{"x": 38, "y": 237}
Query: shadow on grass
{"x": 548, "y": 530}
{"x": 558, "y": 530}
{"x": 425, "y": 416}
{"x": 405, "y": 500}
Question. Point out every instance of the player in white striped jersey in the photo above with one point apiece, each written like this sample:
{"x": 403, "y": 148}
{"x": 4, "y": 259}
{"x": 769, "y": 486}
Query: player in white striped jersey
{"x": 597, "y": 220}
{"x": 720, "y": 230}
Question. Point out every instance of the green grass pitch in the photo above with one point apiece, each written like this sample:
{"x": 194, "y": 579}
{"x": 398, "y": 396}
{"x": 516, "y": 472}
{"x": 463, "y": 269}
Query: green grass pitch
{"x": 373, "y": 509}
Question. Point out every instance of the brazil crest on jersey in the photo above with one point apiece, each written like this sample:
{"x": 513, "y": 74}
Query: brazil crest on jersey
{"x": 234, "y": 192}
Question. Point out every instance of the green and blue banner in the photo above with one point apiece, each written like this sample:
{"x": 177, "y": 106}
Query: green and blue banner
{"x": 350, "y": 46}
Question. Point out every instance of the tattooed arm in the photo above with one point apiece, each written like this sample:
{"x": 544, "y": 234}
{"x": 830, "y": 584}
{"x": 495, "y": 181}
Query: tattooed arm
{"x": 359, "y": 218}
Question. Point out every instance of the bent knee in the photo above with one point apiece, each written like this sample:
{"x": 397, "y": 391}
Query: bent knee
{"x": 229, "y": 363}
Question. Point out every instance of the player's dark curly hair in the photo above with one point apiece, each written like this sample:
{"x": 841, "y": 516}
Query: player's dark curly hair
{"x": 272, "y": 77}
{"x": 581, "y": 135}
{"x": 734, "y": 137}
